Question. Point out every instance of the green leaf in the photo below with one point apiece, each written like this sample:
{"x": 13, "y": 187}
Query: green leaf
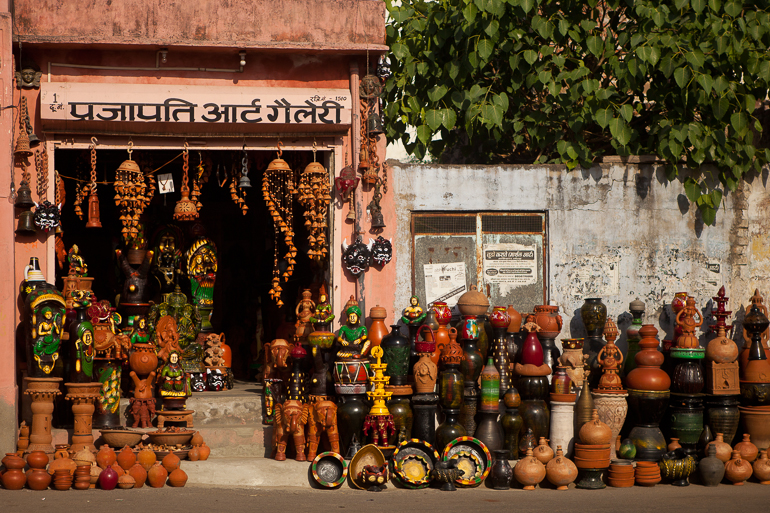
{"x": 733, "y": 8}
{"x": 692, "y": 189}
{"x": 698, "y": 5}
{"x": 401, "y": 15}
{"x": 501, "y": 100}
{"x": 709, "y": 215}
{"x": 448, "y": 118}
{"x": 620, "y": 131}
{"x": 493, "y": 113}
{"x": 675, "y": 147}
{"x": 527, "y": 5}
{"x": 595, "y": 45}
{"x": 719, "y": 107}
{"x": 715, "y": 5}
{"x": 682, "y": 77}
{"x": 544, "y": 76}
{"x": 434, "y": 119}
{"x": 696, "y": 59}
{"x": 458, "y": 99}
{"x": 436, "y": 93}
{"x": 469, "y": 13}
{"x": 627, "y": 112}
{"x": 400, "y": 51}
{"x": 492, "y": 28}
{"x": 587, "y": 25}
{"x": 530, "y": 56}
{"x": 485, "y": 48}
{"x": 739, "y": 122}
{"x": 750, "y": 102}
{"x": 716, "y": 195}
{"x": 720, "y": 84}
{"x": 706, "y": 83}
{"x": 680, "y": 4}
{"x": 424, "y": 134}
{"x": 603, "y": 117}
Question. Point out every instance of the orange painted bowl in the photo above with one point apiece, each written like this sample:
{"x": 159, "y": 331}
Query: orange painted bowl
{"x": 591, "y": 463}
{"x": 620, "y": 483}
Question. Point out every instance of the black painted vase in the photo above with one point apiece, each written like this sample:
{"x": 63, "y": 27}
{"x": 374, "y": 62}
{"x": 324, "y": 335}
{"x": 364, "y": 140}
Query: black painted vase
{"x": 396, "y": 350}
{"x": 401, "y": 408}
{"x": 351, "y": 411}
{"x": 501, "y": 472}
{"x": 448, "y": 430}
{"x": 489, "y": 431}
{"x": 723, "y": 415}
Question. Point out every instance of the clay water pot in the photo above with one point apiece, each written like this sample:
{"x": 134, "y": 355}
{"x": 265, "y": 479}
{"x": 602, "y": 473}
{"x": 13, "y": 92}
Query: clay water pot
{"x": 204, "y": 451}
{"x": 38, "y": 479}
{"x": 139, "y": 474}
{"x": 177, "y": 478}
{"x": 13, "y": 478}
{"x": 37, "y": 459}
{"x": 118, "y": 469}
{"x": 762, "y": 468}
{"x": 595, "y": 432}
{"x": 378, "y": 328}
{"x": 126, "y": 482}
{"x": 143, "y": 360}
{"x": 61, "y": 461}
{"x": 747, "y": 449}
{"x": 170, "y": 462}
{"x": 12, "y": 461}
{"x": 711, "y": 469}
{"x": 108, "y": 479}
{"x": 126, "y": 458}
{"x": 674, "y": 445}
{"x": 156, "y": 476}
{"x": 95, "y": 472}
{"x": 106, "y": 456}
{"x": 515, "y": 319}
{"x": 549, "y": 320}
{"x": 529, "y": 471}
{"x": 722, "y": 350}
{"x": 543, "y": 451}
{"x": 194, "y": 454}
{"x": 560, "y": 471}
{"x": 62, "y": 480}
{"x": 146, "y": 458}
{"x": 723, "y": 449}
{"x": 196, "y": 439}
{"x": 737, "y": 469}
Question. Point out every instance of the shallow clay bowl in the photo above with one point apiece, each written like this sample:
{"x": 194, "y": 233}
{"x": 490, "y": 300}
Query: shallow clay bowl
{"x": 119, "y": 438}
{"x": 591, "y": 463}
{"x": 329, "y": 469}
{"x": 413, "y": 461}
{"x": 170, "y": 439}
{"x": 367, "y": 455}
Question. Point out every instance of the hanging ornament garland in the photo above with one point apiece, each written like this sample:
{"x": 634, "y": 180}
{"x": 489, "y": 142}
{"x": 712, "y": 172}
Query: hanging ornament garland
{"x": 94, "y": 220}
{"x": 238, "y": 191}
{"x": 130, "y": 195}
{"x": 315, "y": 196}
{"x": 185, "y": 209}
{"x": 41, "y": 166}
{"x": 278, "y": 190}
{"x": 201, "y": 177}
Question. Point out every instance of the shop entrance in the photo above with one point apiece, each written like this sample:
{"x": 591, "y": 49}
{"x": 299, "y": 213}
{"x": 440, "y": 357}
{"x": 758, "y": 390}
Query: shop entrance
{"x": 245, "y": 242}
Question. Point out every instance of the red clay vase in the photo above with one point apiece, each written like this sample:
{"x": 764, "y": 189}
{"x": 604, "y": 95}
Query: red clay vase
{"x": 170, "y": 462}
{"x": 38, "y": 479}
{"x": 532, "y": 352}
{"x": 106, "y": 456}
{"x": 37, "y": 459}
{"x": 146, "y": 458}
{"x": 204, "y": 451}
{"x": 108, "y": 479}
{"x": 156, "y": 476}
{"x": 126, "y": 458}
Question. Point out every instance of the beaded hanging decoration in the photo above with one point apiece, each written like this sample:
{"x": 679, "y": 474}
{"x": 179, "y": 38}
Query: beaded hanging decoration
{"x": 130, "y": 195}
{"x": 201, "y": 177}
{"x": 278, "y": 190}
{"x": 185, "y": 209}
{"x": 315, "y": 196}
{"x": 41, "y": 166}
{"x": 238, "y": 194}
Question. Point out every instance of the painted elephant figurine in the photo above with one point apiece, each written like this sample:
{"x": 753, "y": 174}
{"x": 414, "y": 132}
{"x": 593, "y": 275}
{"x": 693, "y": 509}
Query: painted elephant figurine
{"x": 323, "y": 418}
{"x": 276, "y": 360}
{"x": 290, "y": 420}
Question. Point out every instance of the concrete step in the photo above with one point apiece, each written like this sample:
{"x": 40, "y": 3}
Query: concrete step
{"x": 248, "y": 472}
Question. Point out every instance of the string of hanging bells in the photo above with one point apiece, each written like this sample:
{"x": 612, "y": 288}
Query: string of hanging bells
{"x": 132, "y": 195}
{"x": 185, "y": 209}
{"x": 315, "y": 196}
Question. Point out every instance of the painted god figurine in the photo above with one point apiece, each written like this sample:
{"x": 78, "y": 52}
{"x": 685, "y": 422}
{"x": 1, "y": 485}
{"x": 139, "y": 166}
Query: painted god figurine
{"x": 139, "y": 333}
{"x": 188, "y": 318}
{"x": 685, "y": 319}
{"x": 167, "y": 338}
{"x": 45, "y": 308}
{"x": 174, "y": 381}
{"x": 611, "y": 360}
{"x": 323, "y": 316}
{"x": 78, "y": 266}
{"x": 202, "y": 269}
{"x": 304, "y": 310}
{"x": 168, "y": 256}
{"x": 142, "y": 405}
{"x": 353, "y": 337}
{"x": 413, "y": 314}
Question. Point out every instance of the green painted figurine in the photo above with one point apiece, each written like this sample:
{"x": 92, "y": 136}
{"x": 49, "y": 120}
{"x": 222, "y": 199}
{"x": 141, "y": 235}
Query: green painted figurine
{"x": 353, "y": 337}
{"x": 413, "y": 314}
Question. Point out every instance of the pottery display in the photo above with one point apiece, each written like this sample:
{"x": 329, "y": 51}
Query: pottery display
{"x": 43, "y": 391}
{"x": 584, "y": 407}
{"x": 170, "y": 462}
{"x": 156, "y": 475}
{"x": 139, "y": 474}
{"x": 108, "y": 479}
{"x": 550, "y": 322}
{"x": 378, "y": 329}
{"x": 737, "y": 469}
{"x": 574, "y": 361}
{"x": 511, "y": 422}
{"x": 647, "y": 473}
{"x": 620, "y": 474}
{"x": 146, "y": 458}
{"x": 470, "y": 367}
{"x": 447, "y": 473}
{"x": 62, "y": 460}
{"x": 368, "y": 469}
{"x": 529, "y": 471}
{"x": 677, "y": 466}
{"x": 756, "y": 422}
{"x": 595, "y": 432}
{"x": 38, "y": 479}
{"x": 177, "y": 478}
{"x": 126, "y": 482}
{"x": 13, "y": 478}
{"x": 747, "y": 449}
{"x": 612, "y": 410}
{"x": 501, "y": 472}
{"x": 594, "y": 315}
{"x": 757, "y": 367}
{"x": 685, "y": 420}
{"x": 560, "y": 470}
{"x": 762, "y": 468}
{"x": 636, "y": 308}
{"x": 62, "y": 479}
{"x": 724, "y": 451}
{"x": 723, "y": 415}
{"x": 500, "y": 322}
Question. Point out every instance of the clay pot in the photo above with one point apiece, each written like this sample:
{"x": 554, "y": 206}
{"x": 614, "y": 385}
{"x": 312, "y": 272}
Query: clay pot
{"x": 62, "y": 461}
{"x": 515, "y": 319}
{"x": 13, "y": 478}
{"x": 84, "y": 456}
{"x": 500, "y": 473}
{"x": 529, "y": 471}
{"x": 106, "y": 456}
{"x": 737, "y": 469}
{"x": 674, "y": 445}
{"x": 711, "y": 469}
{"x": 378, "y": 329}
{"x": 756, "y": 422}
{"x": 723, "y": 449}
{"x": 532, "y": 351}
{"x": 126, "y": 482}
{"x": 95, "y": 472}
{"x": 543, "y": 451}
{"x": 12, "y": 461}
{"x": 37, "y": 459}
{"x": 118, "y": 469}
{"x": 648, "y": 375}
{"x": 204, "y": 451}
{"x": 560, "y": 471}
{"x": 595, "y": 432}
{"x": 62, "y": 480}
{"x": 194, "y": 454}
{"x": 196, "y": 439}
{"x": 178, "y": 478}
{"x": 747, "y": 449}
{"x": 126, "y": 458}
{"x": 108, "y": 479}
{"x": 139, "y": 474}
{"x": 143, "y": 360}
{"x": 722, "y": 350}
{"x": 549, "y": 320}
{"x": 762, "y": 468}
{"x": 647, "y": 473}
{"x": 170, "y": 462}
{"x": 38, "y": 479}
{"x": 146, "y": 458}
{"x": 473, "y": 303}
{"x": 156, "y": 476}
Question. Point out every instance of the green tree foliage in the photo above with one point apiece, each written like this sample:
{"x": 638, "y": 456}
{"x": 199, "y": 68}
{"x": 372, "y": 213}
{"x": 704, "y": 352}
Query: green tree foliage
{"x": 536, "y": 81}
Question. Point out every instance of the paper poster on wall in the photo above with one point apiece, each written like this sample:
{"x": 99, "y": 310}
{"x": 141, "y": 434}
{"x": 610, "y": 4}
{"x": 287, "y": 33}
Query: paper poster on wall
{"x": 444, "y": 282}
{"x": 510, "y": 264}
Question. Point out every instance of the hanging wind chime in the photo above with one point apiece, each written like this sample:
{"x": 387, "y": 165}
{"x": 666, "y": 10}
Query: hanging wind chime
{"x": 346, "y": 184}
{"x": 201, "y": 177}
{"x": 130, "y": 196}
{"x": 238, "y": 192}
{"x": 22, "y": 152}
{"x": 185, "y": 209}
{"x": 315, "y": 196}
{"x": 94, "y": 220}
{"x": 277, "y": 190}
{"x": 369, "y": 90}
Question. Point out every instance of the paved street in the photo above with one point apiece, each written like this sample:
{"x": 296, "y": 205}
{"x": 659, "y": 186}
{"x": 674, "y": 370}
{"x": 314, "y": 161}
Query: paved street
{"x": 660, "y": 499}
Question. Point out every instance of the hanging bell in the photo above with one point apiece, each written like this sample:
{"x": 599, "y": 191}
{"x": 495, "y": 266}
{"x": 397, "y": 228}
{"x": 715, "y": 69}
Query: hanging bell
{"x": 24, "y": 196}
{"x": 363, "y": 159}
{"x": 244, "y": 182}
{"x": 26, "y": 223}
{"x": 185, "y": 210}
{"x": 22, "y": 150}
{"x": 128, "y": 166}
{"x": 34, "y": 141}
{"x": 278, "y": 165}
{"x": 377, "y": 220}
{"x": 374, "y": 126}
{"x": 93, "y": 211}
{"x": 351, "y": 211}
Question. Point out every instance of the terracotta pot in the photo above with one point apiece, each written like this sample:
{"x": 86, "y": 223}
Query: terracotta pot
{"x": 37, "y": 459}
{"x": 177, "y": 478}
{"x": 378, "y": 328}
{"x": 139, "y": 475}
{"x": 156, "y": 476}
{"x": 756, "y": 422}
{"x": 196, "y": 439}
{"x": 14, "y": 479}
{"x": 146, "y": 458}
{"x": 12, "y": 461}
{"x": 106, "y": 456}
{"x": 38, "y": 479}
{"x": 621, "y": 483}
{"x": 108, "y": 479}
{"x": 723, "y": 449}
{"x": 711, "y": 469}
{"x": 543, "y": 451}
{"x": 549, "y": 320}
{"x": 515, "y": 319}
{"x": 560, "y": 471}
{"x": 84, "y": 456}
{"x": 762, "y": 468}
{"x": 595, "y": 432}
{"x": 722, "y": 350}
{"x": 194, "y": 454}
{"x": 529, "y": 471}
{"x": 473, "y": 302}
{"x": 532, "y": 351}
{"x": 143, "y": 360}
{"x": 126, "y": 458}
{"x": 170, "y": 462}
{"x": 126, "y": 482}
{"x": 647, "y": 375}
{"x": 204, "y": 451}
{"x": 62, "y": 463}
{"x": 737, "y": 469}
{"x": 673, "y": 445}
{"x": 747, "y": 449}
{"x": 118, "y": 469}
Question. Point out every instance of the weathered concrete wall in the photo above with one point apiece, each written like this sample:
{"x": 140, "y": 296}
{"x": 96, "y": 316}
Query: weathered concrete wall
{"x": 336, "y": 24}
{"x": 599, "y": 220}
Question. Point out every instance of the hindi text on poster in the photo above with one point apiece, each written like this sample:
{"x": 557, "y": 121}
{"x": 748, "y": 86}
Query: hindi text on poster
{"x": 510, "y": 264}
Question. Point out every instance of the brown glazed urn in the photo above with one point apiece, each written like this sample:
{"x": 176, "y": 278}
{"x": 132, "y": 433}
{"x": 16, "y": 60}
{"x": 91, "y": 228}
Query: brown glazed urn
{"x": 38, "y": 479}
{"x": 378, "y": 329}
{"x": 762, "y": 468}
{"x": 126, "y": 458}
{"x": 177, "y": 478}
{"x": 529, "y": 471}
{"x": 156, "y": 476}
{"x": 106, "y": 456}
{"x": 648, "y": 375}
{"x": 146, "y": 458}
{"x": 747, "y": 449}
{"x": 723, "y": 449}
{"x": 170, "y": 462}
{"x": 515, "y": 319}
{"x": 737, "y": 469}
{"x": 560, "y": 471}
{"x": 543, "y": 451}
{"x": 595, "y": 432}
{"x": 139, "y": 474}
